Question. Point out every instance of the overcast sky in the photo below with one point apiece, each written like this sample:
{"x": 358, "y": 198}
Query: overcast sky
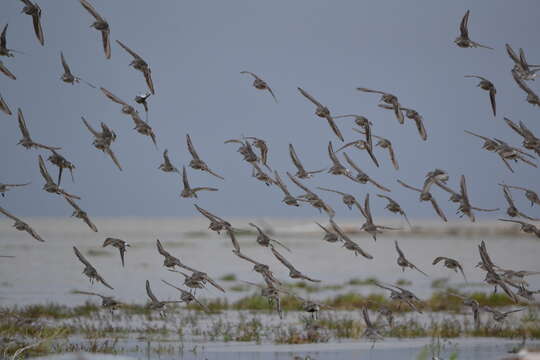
{"x": 196, "y": 50}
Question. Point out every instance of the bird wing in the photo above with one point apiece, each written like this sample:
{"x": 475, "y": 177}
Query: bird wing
{"x": 369, "y": 90}
{"x": 367, "y": 210}
{"x": 283, "y": 260}
{"x": 90, "y": 128}
{"x": 150, "y": 293}
{"x": 522, "y": 84}
{"x": 421, "y": 128}
{"x": 492, "y": 93}
{"x": 102, "y": 280}
{"x": 476, "y": 77}
{"x": 438, "y": 210}
{"x": 309, "y": 97}
{"x": 378, "y": 185}
{"x": 351, "y": 163}
{"x": 81, "y": 257}
{"x": 242, "y": 256}
{"x": 6, "y": 72}
{"x": 294, "y": 158}
{"x": 113, "y": 97}
{"x": 22, "y": 124}
{"x": 480, "y": 136}
{"x": 191, "y": 148}
{"x": 114, "y": 159}
{"x": 4, "y": 106}
{"x": 463, "y": 26}
{"x": 508, "y": 196}
{"x": 3, "y": 41}
{"x": 372, "y": 156}
{"x": 91, "y": 10}
{"x": 38, "y": 30}
{"x": 400, "y": 253}
{"x": 334, "y": 127}
{"x": 299, "y": 184}
{"x": 408, "y": 186}
{"x": 438, "y": 259}
{"x": 235, "y": 243}
{"x": 332, "y": 154}
{"x": 65, "y": 64}
{"x": 215, "y": 284}
{"x": 512, "y": 54}
{"x": 131, "y": 52}
{"x": 148, "y": 78}
{"x": 43, "y": 170}
{"x": 106, "y": 43}
{"x": 72, "y": 203}
{"x": 12, "y": 217}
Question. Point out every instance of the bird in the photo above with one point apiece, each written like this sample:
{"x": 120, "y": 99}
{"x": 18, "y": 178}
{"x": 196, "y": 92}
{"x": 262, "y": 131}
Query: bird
{"x": 260, "y": 175}
{"x": 337, "y": 167}
{"x": 507, "y": 152}
{"x": 361, "y": 145}
{"x": 348, "y": 243}
{"x": 370, "y": 332}
{"x": 463, "y": 40}
{"x": 487, "y": 85}
{"x": 197, "y": 163}
{"x": 426, "y": 196}
{"x": 81, "y": 214}
{"x": 187, "y": 297}
{"x": 532, "y": 97}
{"x": 512, "y": 210}
{"x": 217, "y": 224}
{"x": 525, "y": 227}
{"x": 68, "y": 77}
{"x": 4, "y": 70}
{"x": 107, "y": 302}
{"x": 263, "y": 148}
{"x": 4, "y": 51}
{"x": 465, "y": 207}
{"x": 492, "y": 277}
{"x": 26, "y": 140}
{"x": 489, "y": 144}
{"x": 473, "y": 304}
{"x": 369, "y": 226}
{"x": 266, "y": 241}
{"x": 5, "y": 187}
{"x": 260, "y": 84}
{"x": 364, "y": 124}
{"x": 414, "y": 116}
{"x": 288, "y": 198}
{"x": 385, "y": 144}
{"x": 120, "y": 244}
{"x": 139, "y": 64}
{"x": 521, "y": 67}
{"x": 301, "y": 173}
{"x": 312, "y": 198}
{"x": 103, "y": 140}
{"x": 169, "y": 260}
{"x": 451, "y": 264}
{"x": 21, "y": 225}
{"x": 143, "y": 100}
{"x": 362, "y": 177}
{"x": 500, "y": 316}
{"x": 188, "y": 191}
{"x": 403, "y": 262}
{"x": 389, "y": 99}
{"x": 323, "y": 112}
{"x": 293, "y": 272}
{"x": 530, "y": 141}
{"x": 394, "y": 207}
{"x": 34, "y": 10}
{"x": 348, "y": 199}
{"x": 89, "y": 270}
{"x": 329, "y": 236}
{"x": 167, "y": 166}
{"x": 402, "y": 295}
{"x": 4, "y": 106}
{"x": 260, "y": 268}
{"x": 529, "y": 194}
{"x": 155, "y": 304}
{"x": 62, "y": 163}
{"x": 101, "y": 25}
{"x": 272, "y": 293}
{"x": 245, "y": 150}
{"x": 50, "y": 186}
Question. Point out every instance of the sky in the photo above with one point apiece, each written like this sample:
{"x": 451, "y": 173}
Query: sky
{"x": 197, "y": 49}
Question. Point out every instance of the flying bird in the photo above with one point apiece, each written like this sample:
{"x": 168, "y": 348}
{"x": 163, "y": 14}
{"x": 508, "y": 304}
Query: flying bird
{"x": 288, "y": 198}
{"x": 394, "y": 207}
{"x": 530, "y": 141}
{"x": 4, "y": 106}
{"x": 529, "y": 194}
{"x": 62, "y": 163}
{"x": 426, "y": 196}
{"x": 293, "y": 272}
{"x": 260, "y": 84}
{"x": 525, "y": 227}
{"x": 103, "y": 140}
{"x": 197, "y": 163}
{"x": 89, "y": 270}
{"x": 35, "y": 11}
{"x": 107, "y": 302}
{"x": 487, "y": 85}
{"x": 348, "y": 243}
{"x": 187, "y": 297}
{"x": 369, "y": 226}
{"x": 384, "y": 143}
{"x": 101, "y": 25}
{"x": 167, "y": 165}
{"x": 301, "y": 173}
{"x": 5, "y": 187}
{"x": 512, "y": 210}
{"x": 81, "y": 214}
{"x": 26, "y": 140}
{"x": 323, "y": 112}
{"x": 521, "y": 67}
{"x": 266, "y": 241}
{"x": 139, "y": 64}
{"x": 403, "y": 262}
{"x": 68, "y": 77}
{"x": 188, "y": 191}
{"x": 463, "y": 40}
{"x": 348, "y": 199}
{"x": 361, "y": 145}
{"x": 155, "y": 304}
{"x": 532, "y": 97}
{"x": 120, "y": 244}
{"x": 465, "y": 207}
{"x": 21, "y": 225}
{"x": 389, "y": 99}
{"x": 362, "y": 177}
{"x": 364, "y": 123}
{"x": 50, "y": 186}
{"x": 414, "y": 116}
{"x": 451, "y": 264}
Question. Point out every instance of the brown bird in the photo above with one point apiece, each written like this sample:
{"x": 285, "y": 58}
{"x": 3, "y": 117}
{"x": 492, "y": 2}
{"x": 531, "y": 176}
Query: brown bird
{"x": 465, "y": 207}
{"x": 390, "y": 99}
{"x": 261, "y": 268}
{"x": 521, "y": 67}
{"x": 217, "y": 224}
{"x": 107, "y": 302}
{"x": 492, "y": 277}
{"x": 347, "y": 199}
{"x": 62, "y": 163}
{"x": 532, "y": 97}
{"x": 169, "y": 261}
{"x": 188, "y": 191}
{"x": 348, "y": 243}
{"x": 119, "y": 244}
{"x": 197, "y": 163}
{"x": 529, "y": 194}
{"x": 301, "y": 173}
{"x": 187, "y": 297}
{"x": 426, "y": 196}
{"x": 4, "y": 70}
{"x": 293, "y": 272}
{"x": 263, "y": 148}
{"x": 26, "y": 140}
{"x": 361, "y": 145}
{"x": 21, "y": 225}
{"x": 364, "y": 123}
{"x": 473, "y": 304}
{"x": 50, "y": 186}
{"x": 337, "y": 167}
{"x": 35, "y": 11}
{"x": 288, "y": 199}
{"x": 139, "y": 64}
{"x": 323, "y": 112}
{"x": 500, "y": 316}
{"x": 155, "y": 304}
{"x": 4, "y": 106}
{"x": 260, "y": 84}
{"x": 525, "y": 227}
{"x": 89, "y": 270}
{"x": 403, "y": 262}
{"x": 530, "y": 141}
{"x": 81, "y": 214}
{"x": 266, "y": 241}
{"x": 487, "y": 85}
{"x": 68, "y": 77}
{"x": 101, "y": 25}
{"x": 329, "y": 236}
{"x": 451, "y": 264}
{"x": 362, "y": 177}
{"x": 167, "y": 165}
{"x": 312, "y": 198}
{"x": 394, "y": 207}
{"x": 385, "y": 144}
{"x": 463, "y": 40}
{"x": 103, "y": 140}
{"x": 4, "y": 51}
{"x": 512, "y": 210}
{"x": 414, "y": 116}
{"x": 369, "y": 226}
{"x": 370, "y": 332}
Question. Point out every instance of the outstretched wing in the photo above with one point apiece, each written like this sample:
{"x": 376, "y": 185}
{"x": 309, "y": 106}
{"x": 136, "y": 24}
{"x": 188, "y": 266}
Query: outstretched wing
{"x": 64, "y": 64}
{"x": 81, "y": 257}
{"x": 463, "y": 26}
{"x": 131, "y": 52}
{"x": 91, "y": 10}
{"x": 283, "y": 260}
{"x": 309, "y": 97}
{"x": 438, "y": 209}
{"x": 150, "y": 293}
{"x": 113, "y": 97}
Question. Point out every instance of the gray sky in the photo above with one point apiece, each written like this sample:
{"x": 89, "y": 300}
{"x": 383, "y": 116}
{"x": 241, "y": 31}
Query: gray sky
{"x": 196, "y": 51}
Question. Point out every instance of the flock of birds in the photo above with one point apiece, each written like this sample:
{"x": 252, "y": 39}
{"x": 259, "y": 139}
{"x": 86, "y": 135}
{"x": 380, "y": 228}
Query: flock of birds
{"x": 255, "y": 152}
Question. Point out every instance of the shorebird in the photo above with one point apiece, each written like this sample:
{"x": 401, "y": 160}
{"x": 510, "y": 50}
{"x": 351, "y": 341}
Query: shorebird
{"x": 265, "y": 240}
{"x": 143, "y": 100}
{"x": 4, "y": 51}
{"x": 369, "y": 226}
{"x": 489, "y": 143}
{"x": 301, "y": 171}
{"x": 364, "y": 123}
{"x": 89, "y": 270}
{"x": 426, "y": 196}
{"x": 385, "y": 144}
{"x": 436, "y": 176}
{"x": 217, "y": 224}
{"x": 272, "y": 293}
{"x": 513, "y": 277}
{"x": 465, "y": 207}
{"x": 141, "y": 126}
{"x": 4, "y": 70}
{"x": 451, "y": 264}
{"x": 529, "y": 194}
{"x": 68, "y": 77}
{"x": 120, "y": 244}
{"x": 261, "y": 268}
{"x": 401, "y": 295}
{"x": 530, "y": 141}
{"x": 500, "y": 316}
{"x": 487, "y": 85}
{"x": 21, "y": 225}
{"x": 260, "y": 175}
{"x": 337, "y": 167}
{"x": 103, "y": 140}
{"x": 288, "y": 199}
{"x": 311, "y": 307}
{"x": 293, "y": 272}
{"x": 507, "y": 152}
{"x": 26, "y": 140}
{"x": 155, "y": 304}
{"x": 532, "y": 97}
{"x": 81, "y": 214}
{"x": 348, "y": 243}
{"x": 361, "y": 145}
{"x": 312, "y": 198}
{"x": 260, "y": 84}
{"x": 389, "y": 99}
{"x": 5, "y": 187}
{"x": 414, "y": 116}
{"x": 4, "y": 106}
{"x": 473, "y": 304}
{"x": 521, "y": 67}
{"x": 108, "y": 302}
{"x": 370, "y": 332}
{"x": 347, "y": 199}
{"x": 329, "y": 236}
{"x": 263, "y": 149}
{"x": 323, "y": 112}
{"x": 245, "y": 150}
{"x": 394, "y": 207}
{"x": 139, "y": 64}
{"x": 62, "y": 163}
{"x": 512, "y": 210}
{"x": 35, "y": 11}
{"x": 362, "y": 177}
{"x": 167, "y": 165}
{"x": 525, "y": 227}
{"x": 463, "y": 40}
{"x": 169, "y": 261}
{"x": 403, "y": 262}
{"x": 492, "y": 277}
{"x": 188, "y": 191}
{"x": 187, "y": 297}
{"x": 197, "y": 163}
{"x": 101, "y": 25}
{"x": 50, "y": 186}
